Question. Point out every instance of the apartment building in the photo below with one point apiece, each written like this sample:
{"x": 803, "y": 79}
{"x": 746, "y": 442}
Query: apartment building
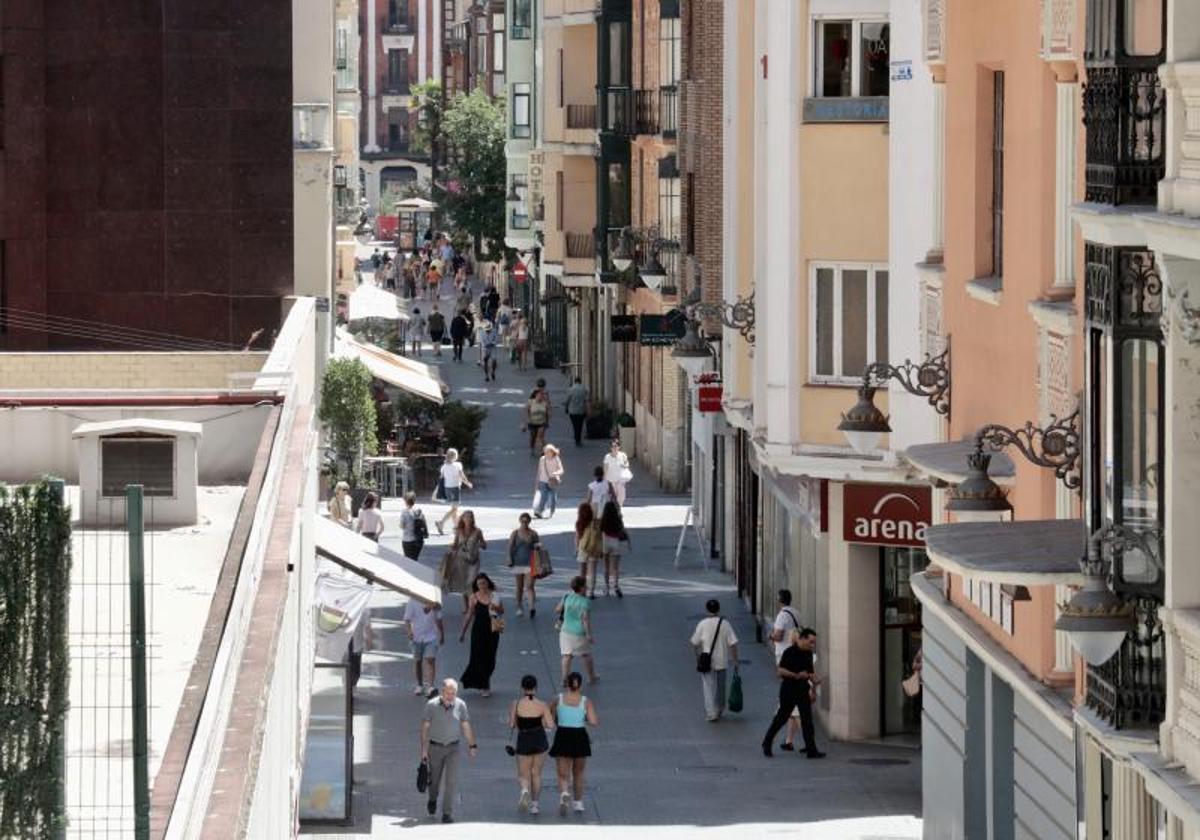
{"x": 401, "y": 46}
{"x": 474, "y": 47}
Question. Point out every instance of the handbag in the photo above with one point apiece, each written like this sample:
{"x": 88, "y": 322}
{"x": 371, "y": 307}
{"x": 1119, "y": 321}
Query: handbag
{"x": 497, "y": 622}
{"x": 735, "y": 693}
{"x": 704, "y": 658}
{"x": 592, "y": 541}
{"x": 423, "y": 776}
{"x": 542, "y": 567}
{"x": 439, "y": 492}
{"x": 626, "y": 474}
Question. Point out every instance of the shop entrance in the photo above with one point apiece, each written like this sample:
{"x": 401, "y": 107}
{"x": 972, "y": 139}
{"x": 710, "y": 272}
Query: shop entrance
{"x": 900, "y": 632}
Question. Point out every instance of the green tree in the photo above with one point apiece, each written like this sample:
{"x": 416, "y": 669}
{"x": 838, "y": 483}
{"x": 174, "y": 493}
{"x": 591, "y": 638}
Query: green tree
{"x": 427, "y": 100}
{"x": 471, "y": 189}
{"x": 348, "y": 412}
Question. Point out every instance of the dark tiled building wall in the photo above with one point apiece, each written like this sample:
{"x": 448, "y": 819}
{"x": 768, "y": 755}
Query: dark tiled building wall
{"x": 147, "y": 166}
{"x": 700, "y": 141}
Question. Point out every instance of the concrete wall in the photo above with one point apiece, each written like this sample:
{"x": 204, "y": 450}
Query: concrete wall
{"x": 37, "y": 441}
{"x": 124, "y": 370}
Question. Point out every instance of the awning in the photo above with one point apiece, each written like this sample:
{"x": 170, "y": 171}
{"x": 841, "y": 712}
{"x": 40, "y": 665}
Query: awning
{"x": 370, "y": 301}
{"x": 405, "y": 374}
{"x": 374, "y": 562}
{"x": 1034, "y": 553}
{"x": 948, "y": 461}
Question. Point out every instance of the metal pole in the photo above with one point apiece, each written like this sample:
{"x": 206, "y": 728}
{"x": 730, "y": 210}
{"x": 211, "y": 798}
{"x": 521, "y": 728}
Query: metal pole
{"x": 135, "y": 525}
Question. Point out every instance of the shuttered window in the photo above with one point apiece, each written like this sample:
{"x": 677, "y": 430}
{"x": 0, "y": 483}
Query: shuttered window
{"x": 148, "y": 461}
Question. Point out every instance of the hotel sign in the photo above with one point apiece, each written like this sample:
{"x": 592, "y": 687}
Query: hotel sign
{"x": 886, "y": 514}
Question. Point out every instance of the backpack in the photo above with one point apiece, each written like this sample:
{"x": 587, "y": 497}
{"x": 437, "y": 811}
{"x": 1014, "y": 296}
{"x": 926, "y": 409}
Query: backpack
{"x": 420, "y": 527}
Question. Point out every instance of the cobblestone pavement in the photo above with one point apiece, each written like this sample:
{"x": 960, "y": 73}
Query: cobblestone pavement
{"x": 659, "y": 769}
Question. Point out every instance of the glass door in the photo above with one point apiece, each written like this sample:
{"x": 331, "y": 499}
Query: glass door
{"x": 900, "y": 628}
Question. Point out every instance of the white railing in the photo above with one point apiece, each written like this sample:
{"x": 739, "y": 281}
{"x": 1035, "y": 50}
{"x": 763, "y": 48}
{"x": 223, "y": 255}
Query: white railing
{"x": 935, "y": 31}
{"x": 1179, "y": 192}
{"x": 1058, "y": 30}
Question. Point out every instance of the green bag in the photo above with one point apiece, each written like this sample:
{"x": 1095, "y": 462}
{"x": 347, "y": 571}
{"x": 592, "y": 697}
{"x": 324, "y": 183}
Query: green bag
{"x": 735, "y": 693}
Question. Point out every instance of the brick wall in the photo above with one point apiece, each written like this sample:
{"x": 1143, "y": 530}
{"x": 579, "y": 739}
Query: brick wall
{"x": 700, "y": 145}
{"x": 124, "y": 370}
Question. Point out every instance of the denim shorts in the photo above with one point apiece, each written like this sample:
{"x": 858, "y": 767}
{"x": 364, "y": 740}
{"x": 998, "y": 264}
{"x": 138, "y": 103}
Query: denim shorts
{"x": 452, "y": 493}
{"x": 424, "y": 650}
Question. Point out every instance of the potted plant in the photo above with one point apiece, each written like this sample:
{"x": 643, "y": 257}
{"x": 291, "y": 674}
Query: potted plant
{"x": 627, "y": 431}
{"x": 599, "y": 422}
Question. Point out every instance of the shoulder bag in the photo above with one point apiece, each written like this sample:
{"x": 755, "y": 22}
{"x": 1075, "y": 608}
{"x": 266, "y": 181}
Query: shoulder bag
{"x": 541, "y": 562}
{"x": 704, "y": 658}
{"x": 497, "y": 621}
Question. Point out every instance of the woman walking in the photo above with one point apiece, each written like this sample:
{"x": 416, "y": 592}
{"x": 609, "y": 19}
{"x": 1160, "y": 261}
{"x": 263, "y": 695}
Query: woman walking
{"x": 521, "y": 545}
{"x": 530, "y": 717}
{"x": 549, "y": 476}
{"x": 339, "y": 504}
{"x": 575, "y": 632}
{"x": 616, "y": 545}
{"x": 537, "y": 416}
{"x": 462, "y": 567}
{"x": 453, "y": 477}
{"x": 616, "y": 470}
{"x": 572, "y": 747}
{"x": 483, "y": 617}
{"x": 416, "y": 330}
{"x": 522, "y": 343}
{"x": 589, "y": 545}
{"x": 370, "y": 520}
{"x": 599, "y": 492}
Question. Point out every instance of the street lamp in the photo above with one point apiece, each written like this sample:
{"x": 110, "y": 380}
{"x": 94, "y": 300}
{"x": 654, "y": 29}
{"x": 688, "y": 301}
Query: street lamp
{"x": 692, "y": 352}
{"x": 1096, "y": 619}
{"x": 651, "y": 270}
{"x": 622, "y": 255}
{"x": 864, "y": 424}
{"x": 977, "y": 498}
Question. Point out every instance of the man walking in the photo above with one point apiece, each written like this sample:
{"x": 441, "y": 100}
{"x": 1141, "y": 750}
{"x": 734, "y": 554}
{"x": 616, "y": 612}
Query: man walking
{"x": 786, "y": 621}
{"x": 487, "y": 344}
{"x": 577, "y": 401}
{"x": 444, "y": 717}
{"x": 714, "y": 636}
{"x": 797, "y": 690}
{"x": 427, "y": 634}
{"x": 437, "y": 329}
{"x": 458, "y": 334}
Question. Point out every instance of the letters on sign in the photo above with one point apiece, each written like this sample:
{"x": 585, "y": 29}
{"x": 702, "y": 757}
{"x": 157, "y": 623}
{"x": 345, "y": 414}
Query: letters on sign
{"x": 886, "y": 514}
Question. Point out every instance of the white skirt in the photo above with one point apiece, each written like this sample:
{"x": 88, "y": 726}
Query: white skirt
{"x": 571, "y": 645}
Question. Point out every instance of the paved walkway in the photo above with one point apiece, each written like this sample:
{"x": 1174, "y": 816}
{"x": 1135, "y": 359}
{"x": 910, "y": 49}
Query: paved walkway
{"x": 659, "y": 769}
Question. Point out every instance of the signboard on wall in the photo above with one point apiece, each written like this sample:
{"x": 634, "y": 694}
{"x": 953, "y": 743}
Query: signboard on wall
{"x": 624, "y": 328}
{"x": 661, "y": 330}
{"x": 708, "y": 398}
{"x": 886, "y": 514}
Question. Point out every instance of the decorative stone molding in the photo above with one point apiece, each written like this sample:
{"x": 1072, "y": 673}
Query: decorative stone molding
{"x": 1182, "y": 728}
{"x": 1179, "y": 191}
{"x": 935, "y": 31}
{"x": 1058, "y": 30}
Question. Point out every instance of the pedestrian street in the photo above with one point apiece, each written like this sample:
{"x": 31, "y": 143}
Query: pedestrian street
{"x": 658, "y": 768}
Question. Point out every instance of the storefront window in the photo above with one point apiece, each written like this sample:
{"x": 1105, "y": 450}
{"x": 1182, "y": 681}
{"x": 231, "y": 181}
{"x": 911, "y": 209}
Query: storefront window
{"x": 900, "y": 627}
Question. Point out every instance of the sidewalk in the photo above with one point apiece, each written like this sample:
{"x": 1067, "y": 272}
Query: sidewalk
{"x": 659, "y": 769}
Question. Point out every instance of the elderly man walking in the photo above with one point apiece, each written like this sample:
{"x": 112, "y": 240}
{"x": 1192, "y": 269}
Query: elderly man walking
{"x": 715, "y": 644}
{"x": 444, "y": 717}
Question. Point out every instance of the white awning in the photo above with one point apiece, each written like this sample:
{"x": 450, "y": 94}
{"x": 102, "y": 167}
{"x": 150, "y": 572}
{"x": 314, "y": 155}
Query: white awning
{"x": 370, "y": 301}
{"x": 416, "y": 378}
{"x": 374, "y": 562}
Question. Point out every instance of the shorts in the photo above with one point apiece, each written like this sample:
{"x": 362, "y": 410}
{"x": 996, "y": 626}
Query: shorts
{"x": 424, "y": 650}
{"x": 436, "y": 335}
{"x": 453, "y": 494}
{"x": 614, "y": 546}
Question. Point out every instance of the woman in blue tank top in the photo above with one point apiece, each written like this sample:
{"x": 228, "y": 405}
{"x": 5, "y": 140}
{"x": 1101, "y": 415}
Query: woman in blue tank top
{"x": 573, "y": 713}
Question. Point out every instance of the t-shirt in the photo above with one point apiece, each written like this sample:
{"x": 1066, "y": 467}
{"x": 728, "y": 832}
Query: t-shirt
{"x": 417, "y": 325}
{"x": 797, "y": 660}
{"x": 702, "y": 638}
{"x": 577, "y": 396}
{"x": 370, "y": 521}
{"x": 445, "y": 723}
{"x": 408, "y": 519}
{"x": 437, "y": 322}
{"x": 598, "y": 494}
{"x": 452, "y": 474}
{"x": 613, "y": 464}
{"x": 575, "y": 606}
{"x": 787, "y": 622}
{"x": 424, "y": 620}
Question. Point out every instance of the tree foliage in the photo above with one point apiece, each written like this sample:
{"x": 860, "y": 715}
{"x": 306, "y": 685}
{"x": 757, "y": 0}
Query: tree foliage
{"x": 427, "y": 101}
{"x": 348, "y": 412}
{"x": 35, "y": 574}
{"x": 472, "y": 184}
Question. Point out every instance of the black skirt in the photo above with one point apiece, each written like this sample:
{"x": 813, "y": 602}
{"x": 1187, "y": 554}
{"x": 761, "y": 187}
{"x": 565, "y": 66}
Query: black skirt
{"x": 571, "y": 742}
{"x": 532, "y": 741}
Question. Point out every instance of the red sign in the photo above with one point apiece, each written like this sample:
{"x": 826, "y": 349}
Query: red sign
{"x": 385, "y": 227}
{"x": 519, "y": 272}
{"x": 886, "y": 514}
{"x": 708, "y": 398}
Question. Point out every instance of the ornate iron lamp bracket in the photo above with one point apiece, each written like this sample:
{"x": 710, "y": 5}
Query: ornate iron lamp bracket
{"x": 738, "y": 315}
{"x": 1056, "y": 446}
{"x": 929, "y": 379}
{"x": 1116, "y": 538}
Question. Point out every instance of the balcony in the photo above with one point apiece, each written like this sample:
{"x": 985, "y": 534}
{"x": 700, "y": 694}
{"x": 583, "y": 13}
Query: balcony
{"x": 340, "y": 178}
{"x": 1130, "y": 690}
{"x": 668, "y": 111}
{"x": 397, "y": 87}
{"x": 581, "y": 116}
{"x": 581, "y": 246}
{"x": 617, "y": 111}
{"x": 1124, "y": 110}
{"x": 645, "y": 112}
{"x": 396, "y": 25}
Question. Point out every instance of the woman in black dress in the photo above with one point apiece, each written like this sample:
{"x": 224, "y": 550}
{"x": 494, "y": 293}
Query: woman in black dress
{"x": 530, "y": 717}
{"x": 483, "y": 607}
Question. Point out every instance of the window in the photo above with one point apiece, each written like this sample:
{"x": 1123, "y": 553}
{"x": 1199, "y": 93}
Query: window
{"x": 498, "y": 50}
{"x": 149, "y": 461}
{"x": 618, "y": 195}
{"x": 398, "y": 70}
{"x": 998, "y": 173}
{"x": 669, "y": 52}
{"x": 521, "y": 110}
{"x": 519, "y": 216}
{"x": 558, "y": 199}
{"x": 669, "y": 209}
{"x": 848, "y": 306}
{"x": 522, "y": 20}
{"x": 851, "y": 58}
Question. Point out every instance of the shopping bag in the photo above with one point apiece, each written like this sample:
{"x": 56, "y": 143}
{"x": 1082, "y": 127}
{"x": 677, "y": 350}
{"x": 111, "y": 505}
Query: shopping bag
{"x": 542, "y": 567}
{"x": 735, "y": 693}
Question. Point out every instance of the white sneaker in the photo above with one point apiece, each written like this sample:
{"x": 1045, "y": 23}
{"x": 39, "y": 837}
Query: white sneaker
{"x": 420, "y": 689}
{"x": 578, "y": 806}
{"x": 533, "y": 808}
{"x": 520, "y": 612}
{"x": 523, "y": 802}
{"x": 564, "y": 802}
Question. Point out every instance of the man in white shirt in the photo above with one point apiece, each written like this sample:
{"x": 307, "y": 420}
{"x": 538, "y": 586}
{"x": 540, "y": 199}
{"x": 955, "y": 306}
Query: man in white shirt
{"x": 714, "y": 635}
{"x": 786, "y": 621}
{"x": 427, "y": 634}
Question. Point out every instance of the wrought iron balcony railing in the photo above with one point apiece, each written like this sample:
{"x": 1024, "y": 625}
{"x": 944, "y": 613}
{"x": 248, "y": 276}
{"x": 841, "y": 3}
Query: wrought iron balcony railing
{"x": 668, "y": 111}
{"x": 617, "y": 105}
{"x": 396, "y": 26}
{"x": 581, "y": 116}
{"x": 1130, "y": 690}
{"x": 581, "y": 246}
{"x": 645, "y": 112}
{"x": 1124, "y": 109}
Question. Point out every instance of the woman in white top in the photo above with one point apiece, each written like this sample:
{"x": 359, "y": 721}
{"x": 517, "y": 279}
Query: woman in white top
{"x": 370, "y": 520}
{"x": 616, "y": 470}
{"x": 339, "y": 504}
{"x": 416, "y": 330}
{"x": 599, "y": 492}
{"x": 453, "y": 478}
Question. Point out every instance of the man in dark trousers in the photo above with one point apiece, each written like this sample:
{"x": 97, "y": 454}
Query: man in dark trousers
{"x": 797, "y": 690}
{"x": 458, "y": 333}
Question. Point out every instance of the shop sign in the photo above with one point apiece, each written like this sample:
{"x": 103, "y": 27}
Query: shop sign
{"x": 708, "y": 398}
{"x": 886, "y": 514}
{"x": 537, "y": 162}
{"x": 661, "y": 330}
{"x": 519, "y": 272}
{"x": 624, "y": 328}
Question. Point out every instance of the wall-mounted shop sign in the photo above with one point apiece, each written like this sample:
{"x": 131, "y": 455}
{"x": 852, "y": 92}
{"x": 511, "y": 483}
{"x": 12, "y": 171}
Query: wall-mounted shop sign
{"x": 886, "y": 514}
{"x": 661, "y": 330}
{"x": 708, "y": 399}
{"x": 624, "y": 328}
